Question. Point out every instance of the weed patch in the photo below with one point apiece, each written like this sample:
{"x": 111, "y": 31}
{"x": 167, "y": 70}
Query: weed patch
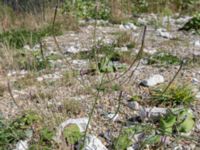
{"x": 72, "y": 134}
{"x": 17, "y": 38}
{"x": 163, "y": 59}
{"x": 11, "y": 133}
{"x": 181, "y": 121}
{"x": 175, "y": 95}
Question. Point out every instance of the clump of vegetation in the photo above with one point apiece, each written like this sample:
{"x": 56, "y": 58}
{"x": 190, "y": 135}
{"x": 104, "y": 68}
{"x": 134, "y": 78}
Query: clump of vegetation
{"x": 72, "y": 134}
{"x": 12, "y": 132}
{"x": 106, "y": 65}
{"x": 175, "y": 95}
{"x": 192, "y": 24}
{"x": 86, "y": 9}
{"x": 163, "y": 59}
{"x": 124, "y": 139}
{"x": 125, "y": 39}
{"x": 181, "y": 121}
{"x": 72, "y": 107}
{"x": 17, "y": 38}
{"x": 2, "y": 89}
{"x": 27, "y": 80}
{"x": 31, "y": 60}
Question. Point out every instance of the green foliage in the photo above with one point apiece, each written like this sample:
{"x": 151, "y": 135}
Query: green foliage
{"x": 124, "y": 139}
{"x": 17, "y": 38}
{"x": 32, "y": 60}
{"x": 192, "y": 24}
{"x": 167, "y": 123}
{"x": 44, "y": 141}
{"x": 86, "y": 9}
{"x": 175, "y": 95}
{"x": 11, "y": 133}
{"x": 185, "y": 121}
{"x": 106, "y": 66}
{"x": 181, "y": 121}
{"x": 164, "y": 59}
{"x": 2, "y": 90}
{"x": 72, "y": 134}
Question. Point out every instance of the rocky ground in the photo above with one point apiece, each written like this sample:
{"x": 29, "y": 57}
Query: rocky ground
{"x": 69, "y": 90}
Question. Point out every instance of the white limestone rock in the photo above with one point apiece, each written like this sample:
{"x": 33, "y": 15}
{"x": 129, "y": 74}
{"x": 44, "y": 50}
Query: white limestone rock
{"x": 153, "y": 80}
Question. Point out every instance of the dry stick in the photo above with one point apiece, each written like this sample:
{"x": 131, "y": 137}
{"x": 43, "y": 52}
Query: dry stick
{"x": 58, "y": 47}
{"x": 11, "y": 94}
{"x": 180, "y": 68}
{"x": 119, "y": 104}
{"x": 92, "y": 111}
{"x": 137, "y": 57}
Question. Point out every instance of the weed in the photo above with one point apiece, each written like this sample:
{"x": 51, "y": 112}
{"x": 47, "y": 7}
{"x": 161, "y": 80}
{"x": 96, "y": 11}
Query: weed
{"x": 72, "y": 134}
{"x": 31, "y": 60}
{"x": 68, "y": 77}
{"x": 163, "y": 59}
{"x": 106, "y": 66}
{"x": 175, "y": 95}
{"x": 12, "y": 132}
{"x": 45, "y": 140}
{"x": 126, "y": 136}
{"x": 181, "y": 121}
{"x": 86, "y": 9}
{"x": 72, "y": 107}
{"x": 2, "y": 89}
{"x": 125, "y": 39}
{"x": 17, "y": 38}
{"x": 27, "y": 80}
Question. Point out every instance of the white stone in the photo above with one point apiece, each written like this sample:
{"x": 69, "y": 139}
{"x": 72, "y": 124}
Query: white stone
{"x": 22, "y": 145}
{"x": 73, "y": 50}
{"x": 142, "y": 21}
{"x": 27, "y": 47}
{"x": 197, "y": 43}
{"x": 152, "y": 112}
{"x": 183, "y": 20}
{"x": 153, "y": 80}
{"x": 122, "y": 49}
{"x": 40, "y": 79}
{"x": 80, "y": 122}
{"x": 93, "y": 143}
{"x": 128, "y": 26}
{"x": 163, "y": 33}
{"x": 112, "y": 116}
{"x": 134, "y": 105}
{"x": 198, "y": 95}
{"x": 53, "y": 77}
{"x": 195, "y": 80}
{"x": 80, "y": 62}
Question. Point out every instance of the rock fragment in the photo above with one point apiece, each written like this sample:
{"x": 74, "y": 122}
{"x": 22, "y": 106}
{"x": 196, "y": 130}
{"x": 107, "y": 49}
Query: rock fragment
{"x": 153, "y": 80}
